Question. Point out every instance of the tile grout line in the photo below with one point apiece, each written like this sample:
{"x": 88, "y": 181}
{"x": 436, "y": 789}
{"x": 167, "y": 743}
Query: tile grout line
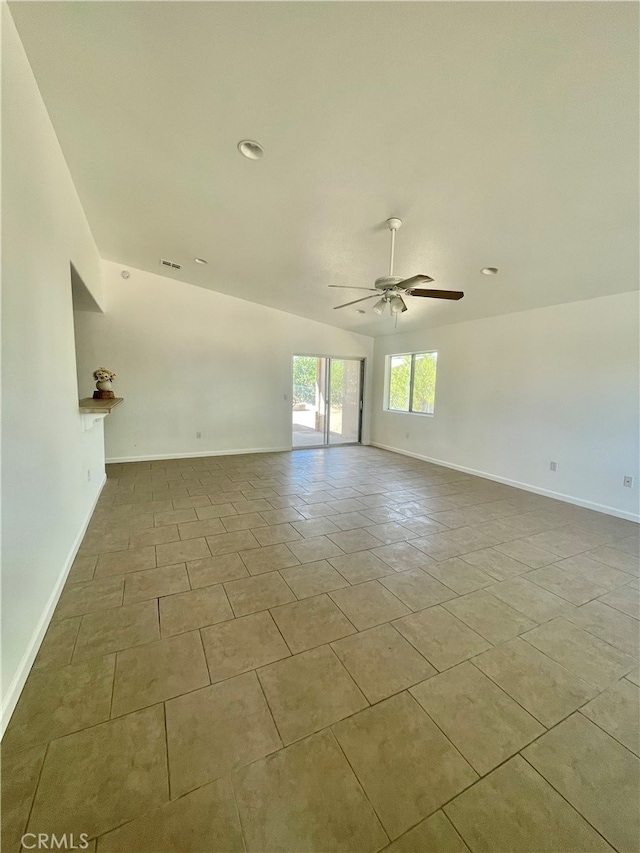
{"x": 35, "y": 790}
{"x": 237, "y": 808}
{"x": 597, "y": 724}
{"x": 575, "y": 710}
{"x": 509, "y": 758}
{"x": 206, "y": 659}
{"x": 560, "y": 794}
{"x": 113, "y": 685}
{"x": 268, "y": 610}
{"x": 271, "y": 714}
{"x": 586, "y": 631}
{"x": 356, "y": 777}
{"x": 75, "y": 643}
{"x": 166, "y": 749}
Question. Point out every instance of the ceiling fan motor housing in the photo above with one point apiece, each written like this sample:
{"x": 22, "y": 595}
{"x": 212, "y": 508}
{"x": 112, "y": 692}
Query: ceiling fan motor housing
{"x": 388, "y": 281}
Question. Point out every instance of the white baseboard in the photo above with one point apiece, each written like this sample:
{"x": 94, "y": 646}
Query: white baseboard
{"x": 202, "y": 453}
{"x": 527, "y": 487}
{"x": 10, "y": 699}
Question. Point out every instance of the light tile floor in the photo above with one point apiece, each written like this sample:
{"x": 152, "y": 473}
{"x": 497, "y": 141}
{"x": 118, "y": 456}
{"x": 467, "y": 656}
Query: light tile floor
{"x": 334, "y": 650}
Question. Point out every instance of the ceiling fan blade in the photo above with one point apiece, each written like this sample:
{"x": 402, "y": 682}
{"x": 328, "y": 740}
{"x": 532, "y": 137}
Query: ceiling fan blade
{"x": 349, "y": 287}
{"x": 438, "y": 294}
{"x": 364, "y": 299}
{"x": 414, "y": 281}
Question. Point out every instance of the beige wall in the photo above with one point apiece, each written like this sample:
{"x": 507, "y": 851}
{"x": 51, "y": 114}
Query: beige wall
{"x": 517, "y": 391}
{"x": 191, "y": 360}
{"x": 47, "y": 459}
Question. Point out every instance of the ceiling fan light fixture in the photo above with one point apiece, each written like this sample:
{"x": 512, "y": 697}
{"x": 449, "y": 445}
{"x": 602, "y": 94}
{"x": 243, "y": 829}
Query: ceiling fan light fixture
{"x": 397, "y": 305}
{"x": 379, "y": 306}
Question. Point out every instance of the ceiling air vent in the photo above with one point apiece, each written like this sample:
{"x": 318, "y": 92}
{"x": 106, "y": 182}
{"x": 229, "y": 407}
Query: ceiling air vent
{"x": 170, "y": 264}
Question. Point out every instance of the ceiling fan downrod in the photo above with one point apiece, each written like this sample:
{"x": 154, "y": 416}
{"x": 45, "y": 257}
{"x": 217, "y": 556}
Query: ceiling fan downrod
{"x": 394, "y": 223}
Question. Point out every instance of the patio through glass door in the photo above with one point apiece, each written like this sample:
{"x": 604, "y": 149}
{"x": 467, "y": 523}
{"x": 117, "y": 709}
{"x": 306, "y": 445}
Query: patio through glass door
{"x": 327, "y": 401}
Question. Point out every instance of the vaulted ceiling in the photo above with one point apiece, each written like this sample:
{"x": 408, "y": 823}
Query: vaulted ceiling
{"x": 503, "y": 134}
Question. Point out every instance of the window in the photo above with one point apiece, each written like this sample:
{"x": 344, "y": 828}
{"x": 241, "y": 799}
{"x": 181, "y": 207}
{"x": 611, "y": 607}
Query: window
{"x": 412, "y": 382}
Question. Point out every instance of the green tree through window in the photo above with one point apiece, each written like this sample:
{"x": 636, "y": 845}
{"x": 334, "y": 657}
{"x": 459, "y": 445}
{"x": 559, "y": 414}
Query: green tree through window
{"x": 412, "y": 382}
{"x": 400, "y": 381}
{"x": 305, "y": 371}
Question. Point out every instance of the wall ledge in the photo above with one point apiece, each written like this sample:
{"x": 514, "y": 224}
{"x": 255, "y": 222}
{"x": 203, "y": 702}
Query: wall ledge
{"x": 93, "y": 411}
{"x": 89, "y": 406}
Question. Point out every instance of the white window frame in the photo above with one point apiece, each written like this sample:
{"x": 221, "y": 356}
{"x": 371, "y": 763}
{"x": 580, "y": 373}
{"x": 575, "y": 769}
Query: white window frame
{"x": 387, "y": 383}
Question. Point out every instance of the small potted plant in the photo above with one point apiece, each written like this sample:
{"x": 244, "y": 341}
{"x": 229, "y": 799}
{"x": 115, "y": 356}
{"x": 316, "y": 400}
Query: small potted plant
{"x": 103, "y": 377}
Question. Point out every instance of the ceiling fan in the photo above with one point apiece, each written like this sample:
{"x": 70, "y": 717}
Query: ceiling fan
{"x": 394, "y": 287}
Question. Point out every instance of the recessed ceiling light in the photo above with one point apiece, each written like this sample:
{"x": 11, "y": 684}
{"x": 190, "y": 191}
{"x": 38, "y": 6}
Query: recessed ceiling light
{"x": 360, "y": 311}
{"x": 200, "y": 261}
{"x": 251, "y": 149}
{"x": 489, "y": 270}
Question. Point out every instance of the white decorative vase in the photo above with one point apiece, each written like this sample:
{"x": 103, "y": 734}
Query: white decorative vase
{"x": 104, "y": 386}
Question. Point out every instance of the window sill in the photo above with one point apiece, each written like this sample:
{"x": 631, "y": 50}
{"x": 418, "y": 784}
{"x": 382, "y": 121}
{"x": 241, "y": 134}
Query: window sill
{"x": 400, "y": 412}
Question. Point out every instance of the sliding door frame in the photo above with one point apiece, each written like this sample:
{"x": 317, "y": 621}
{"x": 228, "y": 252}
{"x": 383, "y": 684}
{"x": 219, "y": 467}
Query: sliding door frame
{"x": 327, "y": 398}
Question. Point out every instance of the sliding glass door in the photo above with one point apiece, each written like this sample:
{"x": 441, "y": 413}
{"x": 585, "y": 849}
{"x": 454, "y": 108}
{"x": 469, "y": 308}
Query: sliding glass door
{"x": 345, "y": 379}
{"x": 309, "y": 409}
{"x": 327, "y": 401}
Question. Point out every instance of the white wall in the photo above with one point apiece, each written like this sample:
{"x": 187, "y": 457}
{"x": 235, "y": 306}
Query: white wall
{"x": 46, "y": 496}
{"x": 191, "y": 360}
{"x": 517, "y": 391}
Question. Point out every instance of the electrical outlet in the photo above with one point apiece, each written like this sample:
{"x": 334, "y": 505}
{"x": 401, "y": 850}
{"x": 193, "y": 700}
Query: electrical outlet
{"x": 628, "y": 482}
{"x": 198, "y": 435}
{"x": 553, "y": 466}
